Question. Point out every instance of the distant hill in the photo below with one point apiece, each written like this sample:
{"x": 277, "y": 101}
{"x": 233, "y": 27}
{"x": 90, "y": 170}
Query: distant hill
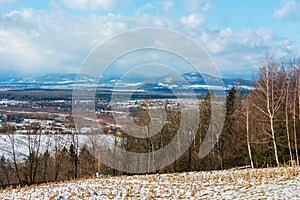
{"x": 187, "y": 81}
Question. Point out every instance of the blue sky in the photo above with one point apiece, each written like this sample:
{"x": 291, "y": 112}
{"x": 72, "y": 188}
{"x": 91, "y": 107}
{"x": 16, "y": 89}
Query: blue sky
{"x": 38, "y": 37}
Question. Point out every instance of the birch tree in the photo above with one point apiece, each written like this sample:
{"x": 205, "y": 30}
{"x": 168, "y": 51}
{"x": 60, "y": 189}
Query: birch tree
{"x": 297, "y": 89}
{"x": 246, "y": 113}
{"x": 287, "y": 103}
{"x": 268, "y": 96}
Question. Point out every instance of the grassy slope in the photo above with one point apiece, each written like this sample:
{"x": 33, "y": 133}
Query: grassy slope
{"x": 226, "y": 184}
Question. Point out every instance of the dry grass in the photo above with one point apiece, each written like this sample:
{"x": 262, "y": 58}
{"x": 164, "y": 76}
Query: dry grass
{"x": 158, "y": 186}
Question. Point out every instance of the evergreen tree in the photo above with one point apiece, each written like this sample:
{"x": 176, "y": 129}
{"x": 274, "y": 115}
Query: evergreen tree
{"x": 232, "y": 143}
{"x": 87, "y": 163}
{"x": 74, "y": 161}
{"x": 210, "y": 161}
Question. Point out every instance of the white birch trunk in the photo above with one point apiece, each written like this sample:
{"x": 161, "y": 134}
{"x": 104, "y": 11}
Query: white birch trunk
{"x": 248, "y": 139}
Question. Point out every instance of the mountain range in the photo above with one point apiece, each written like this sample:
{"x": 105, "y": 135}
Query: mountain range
{"x": 184, "y": 82}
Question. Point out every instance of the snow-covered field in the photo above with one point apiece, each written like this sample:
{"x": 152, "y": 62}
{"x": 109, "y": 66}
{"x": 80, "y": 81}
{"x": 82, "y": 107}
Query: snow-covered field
{"x": 271, "y": 183}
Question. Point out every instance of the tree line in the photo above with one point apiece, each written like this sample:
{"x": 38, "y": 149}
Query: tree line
{"x": 261, "y": 128}
{"x": 36, "y": 166}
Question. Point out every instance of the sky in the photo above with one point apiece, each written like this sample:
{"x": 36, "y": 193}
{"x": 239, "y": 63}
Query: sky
{"x": 56, "y": 36}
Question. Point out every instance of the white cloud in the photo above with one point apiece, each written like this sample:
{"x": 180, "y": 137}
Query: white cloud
{"x": 144, "y": 8}
{"x": 89, "y": 4}
{"x": 238, "y": 53}
{"x": 226, "y": 40}
{"x": 286, "y": 6}
{"x": 197, "y": 5}
{"x": 198, "y": 9}
{"x": 193, "y": 20}
{"x": 56, "y": 41}
{"x": 206, "y": 7}
{"x": 51, "y": 41}
{"x": 265, "y": 34}
{"x": 17, "y": 53}
{"x": 166, "y": 5}
{"x": 23, "y": 14}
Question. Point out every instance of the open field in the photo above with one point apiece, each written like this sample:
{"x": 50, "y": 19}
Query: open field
{"x": 274, "y": 183}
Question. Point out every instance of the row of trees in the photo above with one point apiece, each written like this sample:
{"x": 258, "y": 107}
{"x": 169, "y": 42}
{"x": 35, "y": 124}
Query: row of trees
{"x": 274, "y": 110}
{"x": 261, "y": 127}
{"x": 62, "y": 164}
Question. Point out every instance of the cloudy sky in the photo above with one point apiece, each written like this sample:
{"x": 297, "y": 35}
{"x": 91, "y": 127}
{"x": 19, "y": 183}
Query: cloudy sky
{"x": 38, "y": 37}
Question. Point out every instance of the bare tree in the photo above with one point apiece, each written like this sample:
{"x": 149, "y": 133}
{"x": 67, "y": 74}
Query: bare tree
{"x": 268, "y": 97}
{"x": 46, "y": 157}
{"x": 287, "y": 95}
{"x": 5, "y": 170}
{"x": 75, "y": 154}
{"x": 10, "y": 148}
{"x": 57, "y": 151}
{"x": 32, "y": 142}
{"x": 295, "y": 132}
{"x": 246, "y": 112}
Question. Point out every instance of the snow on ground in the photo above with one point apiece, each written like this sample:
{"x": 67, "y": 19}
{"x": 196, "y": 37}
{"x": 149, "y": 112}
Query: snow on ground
{"x": 21, "y": 146}
{"x": 271, "y": 183}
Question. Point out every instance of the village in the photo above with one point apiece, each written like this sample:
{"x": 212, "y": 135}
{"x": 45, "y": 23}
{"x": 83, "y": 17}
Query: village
{"x": 55, "y": 116}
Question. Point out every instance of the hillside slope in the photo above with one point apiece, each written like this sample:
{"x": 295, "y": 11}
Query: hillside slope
{"x": 278, "y": 183}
